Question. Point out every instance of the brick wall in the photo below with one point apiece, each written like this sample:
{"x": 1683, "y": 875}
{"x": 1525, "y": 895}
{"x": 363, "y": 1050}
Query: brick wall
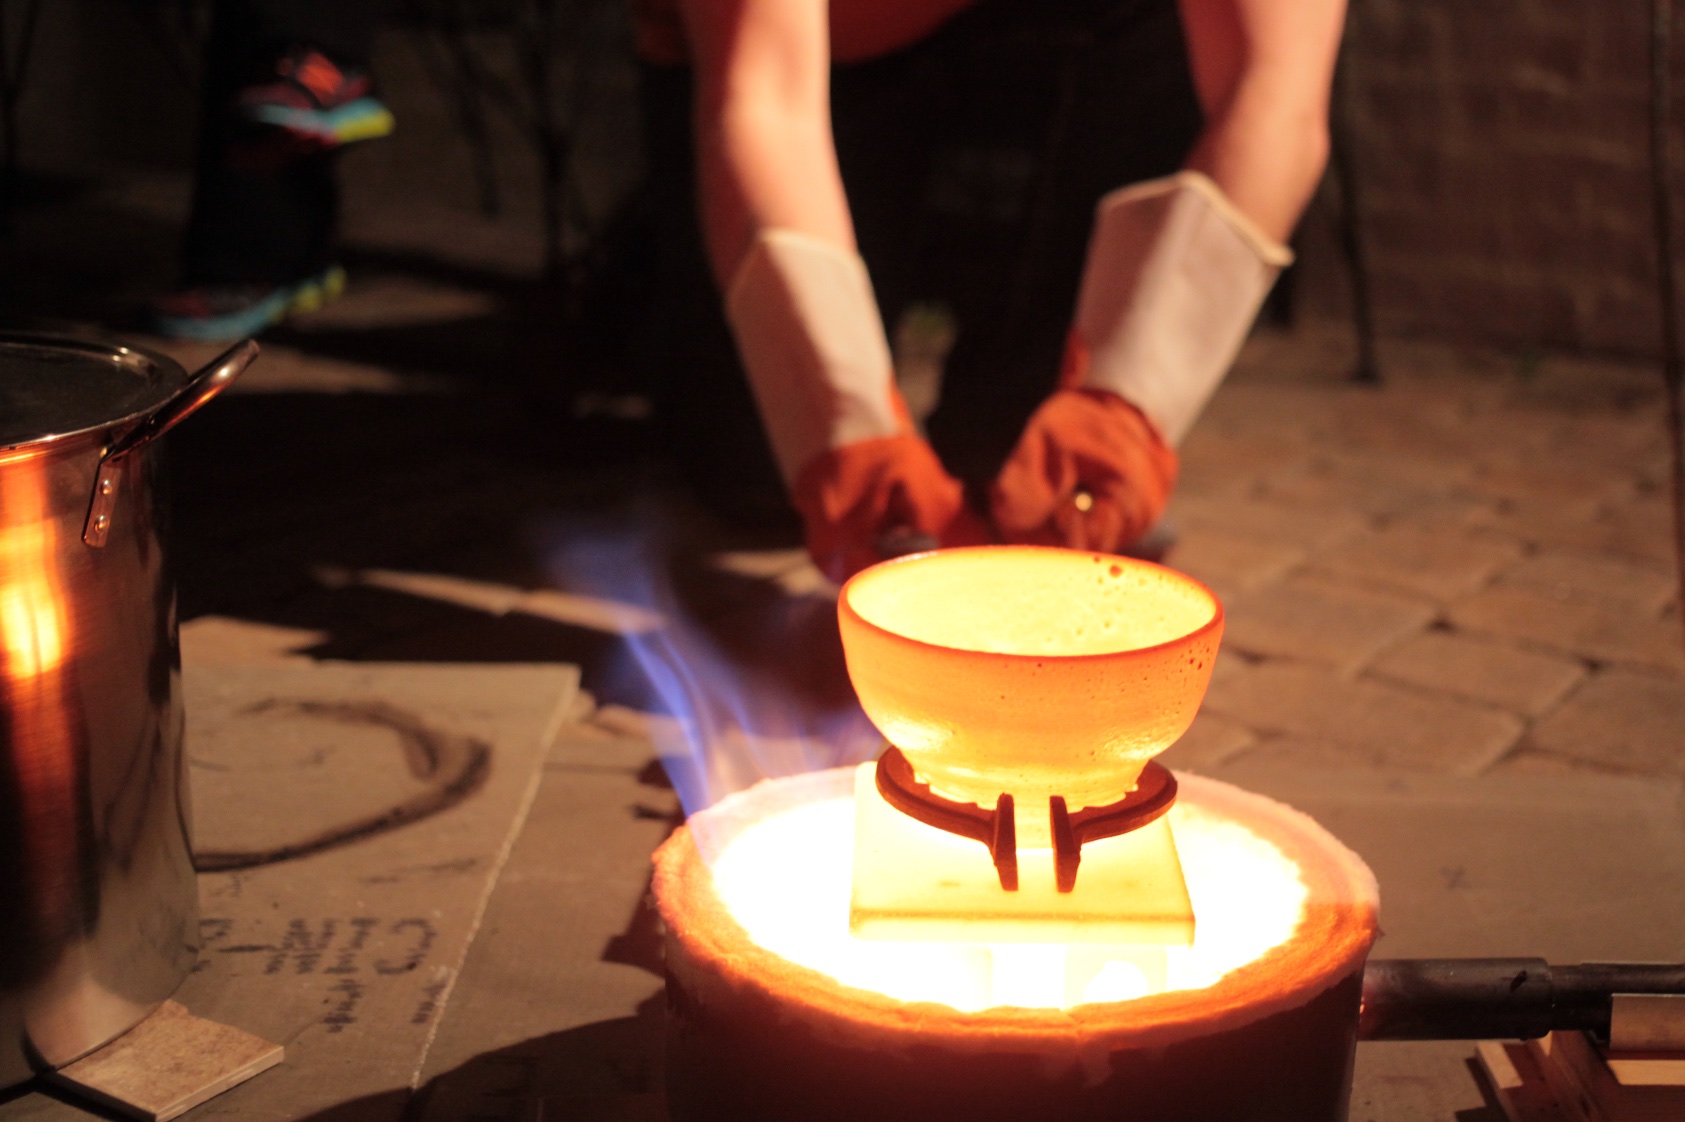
{"x": 1502, "y": 150}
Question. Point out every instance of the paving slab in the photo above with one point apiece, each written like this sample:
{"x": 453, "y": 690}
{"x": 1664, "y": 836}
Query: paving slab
{"x": 1572, "y": 489}
{"x": 1647, "y": 587}
{"x": 1284, "y": 410}
{"x": 1607, "y": 441}
{"x": 1600, "y": 629}
{"x": 1638, "y": 528}
{"x": 1303, "y": 527}
{"x": 1446, "y": 423}
{"x": 1230, "y": 563}
{"x": 1522, "y": 681}
{"x": 1318, "y": 620}
{"x": 1622, "y": 720}
{"x": 1572, "y": 868}
{"x": 1319, "y": 716}
{"x": 1215, "y": 462}
{"x": 1374, "y": 494}
{"x": 1383, "y": 467}
{"x": 1439, "y": 562}
{"x": 347, "y": 952}
{"x": 1527, "y": 762}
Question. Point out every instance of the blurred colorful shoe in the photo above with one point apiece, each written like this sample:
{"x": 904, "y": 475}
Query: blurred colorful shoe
{"x": 216, "y": 313}
{"x": 312, "y": 106}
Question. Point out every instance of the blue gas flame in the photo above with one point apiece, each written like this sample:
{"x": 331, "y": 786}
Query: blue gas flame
{"x": 745, "y": 682}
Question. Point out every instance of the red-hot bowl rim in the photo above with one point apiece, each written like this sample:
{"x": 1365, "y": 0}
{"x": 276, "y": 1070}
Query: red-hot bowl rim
{"x": 846, "y": 609}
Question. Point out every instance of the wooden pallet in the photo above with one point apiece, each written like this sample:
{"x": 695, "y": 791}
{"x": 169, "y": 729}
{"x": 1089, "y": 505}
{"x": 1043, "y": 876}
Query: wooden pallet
{"x": 1568, "y": 1077}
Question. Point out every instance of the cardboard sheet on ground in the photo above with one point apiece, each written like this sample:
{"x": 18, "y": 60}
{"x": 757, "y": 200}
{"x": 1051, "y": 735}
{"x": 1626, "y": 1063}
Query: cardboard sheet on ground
{"x": 399, "y": 788}
{"x": 559, "y": 1010}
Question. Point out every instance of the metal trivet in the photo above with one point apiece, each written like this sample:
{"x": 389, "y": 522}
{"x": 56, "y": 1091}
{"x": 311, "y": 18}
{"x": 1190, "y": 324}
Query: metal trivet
{"x": 998, "y": 828}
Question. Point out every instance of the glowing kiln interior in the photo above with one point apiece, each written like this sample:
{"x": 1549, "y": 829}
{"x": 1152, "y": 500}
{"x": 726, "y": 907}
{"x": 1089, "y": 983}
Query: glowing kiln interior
{"x": 779, "y": 1012}
{"x": 786, "y": 879}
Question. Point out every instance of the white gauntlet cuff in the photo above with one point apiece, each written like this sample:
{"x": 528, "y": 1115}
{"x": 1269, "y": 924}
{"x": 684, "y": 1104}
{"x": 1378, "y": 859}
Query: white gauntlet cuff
{"x": 1174, "y": 279}
{"x": 813, "y": 343}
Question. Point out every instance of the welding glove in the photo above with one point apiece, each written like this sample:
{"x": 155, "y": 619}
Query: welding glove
{"x": 1174, "y": 278}
{"x": 811, "y": 339}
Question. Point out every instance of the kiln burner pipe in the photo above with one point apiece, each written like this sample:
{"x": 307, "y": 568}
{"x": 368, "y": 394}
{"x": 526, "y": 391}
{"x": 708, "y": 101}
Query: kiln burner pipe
{"x": 1500, "y": 998}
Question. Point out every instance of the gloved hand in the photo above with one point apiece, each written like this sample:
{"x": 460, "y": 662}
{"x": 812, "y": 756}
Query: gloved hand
{"x": 852, "y": 497}
{"x": 1174, "y": 277}
{"x": 814, "y": 348}
{"x": 1089, "y": 472}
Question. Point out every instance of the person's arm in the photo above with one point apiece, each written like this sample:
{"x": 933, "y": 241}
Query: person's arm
{"x": 1263, "y": 70}
{"x": 1176, "y": 271}
{"x": 797, "y": 295}
{"x": 764, "y": 151}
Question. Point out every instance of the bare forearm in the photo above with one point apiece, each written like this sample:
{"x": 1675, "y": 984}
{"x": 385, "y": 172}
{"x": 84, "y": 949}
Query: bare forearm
{"x": 765, "y": 157}
{"x": 760, "y": 168}
{"x": 1263, "y": 69}
{"x": 1268, "y": 164}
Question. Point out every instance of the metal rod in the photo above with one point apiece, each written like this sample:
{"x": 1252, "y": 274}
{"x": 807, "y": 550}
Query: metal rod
{"x": 1661, "y": 186}
{"x": 1500, "y": 998}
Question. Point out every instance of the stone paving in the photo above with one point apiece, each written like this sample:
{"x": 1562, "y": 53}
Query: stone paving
{"x": 1466, "y": 570}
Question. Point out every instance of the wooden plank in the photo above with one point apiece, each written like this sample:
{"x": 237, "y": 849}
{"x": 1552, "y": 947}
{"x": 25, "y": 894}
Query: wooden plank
{"x": 1575, "y": 1067}
{"x": 1648, "y": 1022}
{"x": 1518, "y": 1083}
{"x": 168, "y": 1064}
{"x": 1648, "y": 1069}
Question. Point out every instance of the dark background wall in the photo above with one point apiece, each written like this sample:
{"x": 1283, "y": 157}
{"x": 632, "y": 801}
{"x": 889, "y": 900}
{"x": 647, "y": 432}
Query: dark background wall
{"x": 1504, "y": 163}
{"x": 1501, "y": 152}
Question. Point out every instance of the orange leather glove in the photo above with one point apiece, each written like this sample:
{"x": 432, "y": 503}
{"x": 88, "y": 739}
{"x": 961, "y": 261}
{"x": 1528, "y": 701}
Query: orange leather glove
{"x": 1089, "y": 472}
{"x": 1174, "y": 276}
{"x": 851, "y": 497}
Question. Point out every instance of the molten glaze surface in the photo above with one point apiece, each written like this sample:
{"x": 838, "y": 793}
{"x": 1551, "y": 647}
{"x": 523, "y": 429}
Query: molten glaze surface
{"x": 713, "y": 958}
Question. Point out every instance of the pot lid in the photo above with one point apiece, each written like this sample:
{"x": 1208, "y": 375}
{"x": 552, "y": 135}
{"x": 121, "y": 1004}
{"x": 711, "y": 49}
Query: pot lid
{"x": 52, "y": 387}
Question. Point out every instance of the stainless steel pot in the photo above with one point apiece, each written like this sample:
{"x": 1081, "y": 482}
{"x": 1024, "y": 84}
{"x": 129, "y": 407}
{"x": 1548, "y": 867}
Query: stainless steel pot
{"x": 98, "y": 907}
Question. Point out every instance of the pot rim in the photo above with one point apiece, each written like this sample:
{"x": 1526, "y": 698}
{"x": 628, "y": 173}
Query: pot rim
{"x": 174, "y": 377}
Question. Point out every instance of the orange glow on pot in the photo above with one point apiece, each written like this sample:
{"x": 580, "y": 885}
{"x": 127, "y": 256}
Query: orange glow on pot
{"x": 32, "y": 617}
{"x": 36, "y": 685}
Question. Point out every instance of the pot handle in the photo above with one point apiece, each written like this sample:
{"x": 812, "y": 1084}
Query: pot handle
{"x": 205, "y": 384}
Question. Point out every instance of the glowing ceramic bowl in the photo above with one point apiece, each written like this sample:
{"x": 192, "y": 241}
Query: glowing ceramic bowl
{"x": 1027, "y": 669}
